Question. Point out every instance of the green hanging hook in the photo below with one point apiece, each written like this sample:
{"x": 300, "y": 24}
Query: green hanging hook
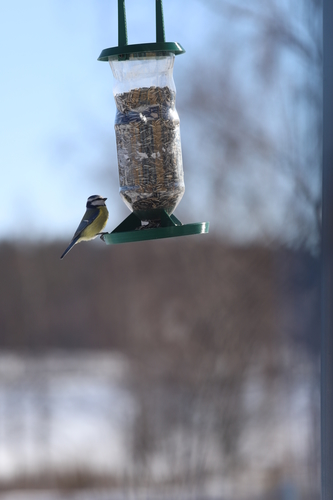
{"x": 123, "y": 50}
{"x": 160, "y": 34}
{"x": 122, "y": 24}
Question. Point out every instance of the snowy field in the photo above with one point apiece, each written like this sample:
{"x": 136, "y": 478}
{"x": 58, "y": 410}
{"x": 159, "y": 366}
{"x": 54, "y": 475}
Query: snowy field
{"x": 61, "y": 410}
{"x": 78, "y": 411}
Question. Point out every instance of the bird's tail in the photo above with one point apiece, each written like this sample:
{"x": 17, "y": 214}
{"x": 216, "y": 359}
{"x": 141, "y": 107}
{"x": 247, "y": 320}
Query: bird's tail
{"x": 70, "y": 246}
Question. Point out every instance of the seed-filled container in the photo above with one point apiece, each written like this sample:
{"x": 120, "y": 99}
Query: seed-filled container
{"x": 151, "y": 177}
{"x": 150, "y": 166}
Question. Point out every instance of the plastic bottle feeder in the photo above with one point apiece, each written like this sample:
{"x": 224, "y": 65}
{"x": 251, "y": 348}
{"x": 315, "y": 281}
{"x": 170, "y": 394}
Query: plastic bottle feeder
{"x": 150, "y": 165}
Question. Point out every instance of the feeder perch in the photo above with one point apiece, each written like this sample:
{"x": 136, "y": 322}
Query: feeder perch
{"x": 151, "y": 176}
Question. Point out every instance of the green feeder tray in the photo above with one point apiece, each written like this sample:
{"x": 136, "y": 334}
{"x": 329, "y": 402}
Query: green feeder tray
{"x": 132, "y": 229}
{"x": 145, "y": 225}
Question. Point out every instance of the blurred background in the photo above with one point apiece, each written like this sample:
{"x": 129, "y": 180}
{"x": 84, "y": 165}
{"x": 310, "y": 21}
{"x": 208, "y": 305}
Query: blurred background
{"x": 186, "y": 367}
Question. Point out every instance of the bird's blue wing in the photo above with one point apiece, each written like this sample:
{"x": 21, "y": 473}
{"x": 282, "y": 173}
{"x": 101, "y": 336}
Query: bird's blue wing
{"x": 87, "y": 219}
{"x": 72, "y": 243}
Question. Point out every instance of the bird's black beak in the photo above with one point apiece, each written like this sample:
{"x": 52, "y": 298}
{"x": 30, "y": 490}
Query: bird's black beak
{"x": 104, "y": 199}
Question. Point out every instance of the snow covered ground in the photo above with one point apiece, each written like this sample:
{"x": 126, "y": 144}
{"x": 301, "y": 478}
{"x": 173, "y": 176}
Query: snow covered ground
{"x": 61, "y": 411}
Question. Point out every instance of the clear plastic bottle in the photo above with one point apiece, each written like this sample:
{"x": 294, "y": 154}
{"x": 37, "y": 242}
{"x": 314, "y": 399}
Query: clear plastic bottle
{"x": 151, "y": 176}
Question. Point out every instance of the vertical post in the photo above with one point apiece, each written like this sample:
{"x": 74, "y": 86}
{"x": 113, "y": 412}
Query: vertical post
{"x": 327, "y": 262}
{"x": 160, "y": 34}
{"x": 122, "y": 25}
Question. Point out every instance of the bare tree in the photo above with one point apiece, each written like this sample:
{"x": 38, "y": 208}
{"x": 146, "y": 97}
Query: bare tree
{"x": 256, "y": 108}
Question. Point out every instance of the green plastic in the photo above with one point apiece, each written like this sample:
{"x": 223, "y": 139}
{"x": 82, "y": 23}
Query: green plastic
{"x": 160, "y": 33}
{"x": 131, "y": 229}
{"x": 122, "y": 24}
{"x": 123, "y": 50}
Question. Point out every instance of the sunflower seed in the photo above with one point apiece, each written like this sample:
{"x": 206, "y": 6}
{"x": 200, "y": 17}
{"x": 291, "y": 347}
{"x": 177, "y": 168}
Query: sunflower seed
{"x": 149, "y": 154}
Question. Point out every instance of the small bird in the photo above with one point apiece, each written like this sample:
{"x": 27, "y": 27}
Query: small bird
{"x": 92, "y": 223}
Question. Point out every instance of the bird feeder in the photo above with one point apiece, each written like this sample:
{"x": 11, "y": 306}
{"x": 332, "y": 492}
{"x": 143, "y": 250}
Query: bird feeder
{"x": 151, "y": 176}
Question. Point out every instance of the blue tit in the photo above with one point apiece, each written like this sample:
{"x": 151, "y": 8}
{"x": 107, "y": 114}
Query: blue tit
{"x": 92, "y": 223}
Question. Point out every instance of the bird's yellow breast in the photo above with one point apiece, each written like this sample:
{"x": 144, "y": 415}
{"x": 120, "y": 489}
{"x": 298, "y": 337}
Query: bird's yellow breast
{"x": 96, "y": 226}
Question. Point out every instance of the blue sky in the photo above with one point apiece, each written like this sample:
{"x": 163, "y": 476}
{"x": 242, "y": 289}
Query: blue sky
{"x": 57, "y": 143}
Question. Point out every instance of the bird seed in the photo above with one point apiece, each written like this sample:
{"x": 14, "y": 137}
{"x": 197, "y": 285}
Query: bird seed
{"x": 149, "y": 153}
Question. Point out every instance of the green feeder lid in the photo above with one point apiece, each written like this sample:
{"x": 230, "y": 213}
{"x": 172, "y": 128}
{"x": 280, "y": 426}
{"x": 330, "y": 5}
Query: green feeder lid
{"x": 123, "y": 50}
